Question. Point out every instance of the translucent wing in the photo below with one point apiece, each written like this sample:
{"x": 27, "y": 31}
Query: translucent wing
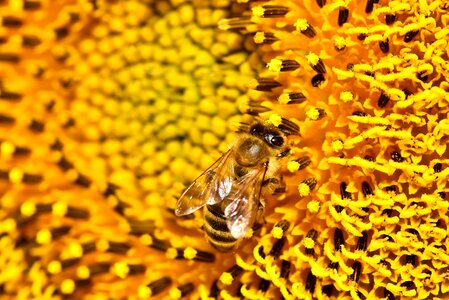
{"x": 211, "y": 187}
{"x": 241, "y": 211}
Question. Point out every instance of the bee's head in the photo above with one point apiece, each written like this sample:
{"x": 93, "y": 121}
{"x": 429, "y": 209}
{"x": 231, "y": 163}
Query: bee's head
{"x": 272, "y": 138}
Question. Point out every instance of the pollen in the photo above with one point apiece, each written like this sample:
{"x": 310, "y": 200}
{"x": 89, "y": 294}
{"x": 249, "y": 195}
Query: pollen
{"x": 275, "y": 119}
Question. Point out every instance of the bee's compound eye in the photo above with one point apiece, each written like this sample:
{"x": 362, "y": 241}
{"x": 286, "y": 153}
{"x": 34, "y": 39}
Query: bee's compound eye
{"x": 274, "y": 140}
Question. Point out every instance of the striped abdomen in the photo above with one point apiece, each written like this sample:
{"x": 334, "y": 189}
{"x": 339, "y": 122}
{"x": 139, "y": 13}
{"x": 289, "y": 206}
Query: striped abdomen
{"x": 216, "y": 229}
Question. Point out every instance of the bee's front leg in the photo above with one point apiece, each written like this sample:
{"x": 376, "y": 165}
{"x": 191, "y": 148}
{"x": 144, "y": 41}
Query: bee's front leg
{"x": 274, "y": 185}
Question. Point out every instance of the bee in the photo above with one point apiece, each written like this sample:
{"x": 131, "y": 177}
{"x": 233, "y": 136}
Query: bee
{"x": 230, "y": 189}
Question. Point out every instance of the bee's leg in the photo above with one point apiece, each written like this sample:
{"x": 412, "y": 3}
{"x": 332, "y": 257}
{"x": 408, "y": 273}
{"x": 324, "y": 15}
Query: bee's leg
{"x": 274, "y": 185}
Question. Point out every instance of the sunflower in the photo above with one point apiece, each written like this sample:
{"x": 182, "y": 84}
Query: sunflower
{"x": 108, "y": 109}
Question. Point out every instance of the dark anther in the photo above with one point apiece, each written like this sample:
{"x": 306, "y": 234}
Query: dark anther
{"x": 289, "y": 65}
{"x": 321, "y": 3}
{"x": 389, "y": 295}
{"x": 369, "y": 6}
{"x": 384, "y": 46}
{"x": 407, "y": 93}
{"x": 355, "y": 276}
{"x": 328, "y": 289}
{"x": 350, "y": 67}
{"x": 409, "y": 36}
{"x": 361, "y": 36}
{"x": 266, "y": 84}
{"x": 388, "y": 212}
{"x": 61, "y": 32}
{"x": 412, "y": 231}
{"x": 437, "y": 167}
{"x": 338, "y": 239}
{"x": 369, "y": 158}
{"x": 410, "y": 285}
{"x": 442, "y": 195}
{"x": 235, "y": 271}
{"x": 359, "y": 113}
{"x": 274, "y": 11}
{"x": 36, "y": 126}
{"x": 10, "y": 21}
{"x": 186, "y": 289}
{"x": 296, "y": 98}
{"x": 390, "y": 18}
{"x": 303, "y": 162}
{"x": 343, "y": 15}
{"x": 383, "y": 100}
{"x": 397, "y": 157}
{"x": 410, "y": 259}
{"x": 32, "y": 178}
{"x": 285, "y": 269}
{"x": 159, "y": 285}
{"x": 31, "y": 5}
{"x": 392, "y": 188}
{"x": 277, "y": 248}
{"x": 422, "y": 76}
{"x": 343, "y": 193}
{"x": 83, "y": 181}
{"x": 214, "y": 290}
{"x": 30, "y": 41}
{"x": 317, "y": 80}
{"x": 311, "y": 282}
{"x": 362, "y": 242}
{"x": 366, "y": 189}
{"x": 10, "y": 96}
{"x": 264, "y": 285}
{"x": 386, "y": 237}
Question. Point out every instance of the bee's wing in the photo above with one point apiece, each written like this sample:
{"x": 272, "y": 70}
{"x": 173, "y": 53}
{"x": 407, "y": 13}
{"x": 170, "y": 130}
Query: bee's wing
{"x": 241, "y": 212}
{"x": 211, "y": 187}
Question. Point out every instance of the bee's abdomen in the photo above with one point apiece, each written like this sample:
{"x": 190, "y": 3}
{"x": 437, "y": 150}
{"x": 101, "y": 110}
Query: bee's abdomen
{"x": 216, "y": 229}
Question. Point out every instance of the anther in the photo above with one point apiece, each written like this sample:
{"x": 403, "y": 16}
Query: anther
{"x": 397, "y": 157}
{"x": 263, "y": 285}
{"x": 383, "y": 100}
{"x": 9, "y": 96}
{"x": 317, "y": 80}
{"x": 61, "y": 32}
{"x": 265, "y": 84}
{"x": 30, "y": 41}
{"x": 31, "y": 5}
{"x": 288, "y": 127}
{"x": 369, "y": 6}
{"x": 343, "y": 14}
{"x": 265, "y": 38}
{"x": 390, "y": 19}
{"x": 277, "y": 248}
{"x": 362, "y": 242}
{"x": 310, "y": 282}
{"x": 303, "y": 162}
{"x": 411, "y": 259}
{"x": 437, "y": 168}
{"x": 409, "y": 36}
{"x": 389, "y": 295}
{"x": 303, "y": 26}
{"x": 321, "y": 3}
{"x": 359, "y": 113}
{"x": 316, "y": 63}
{"x": 338, "y": 239}
{"x": 255, "y": 108}
{"x": 83, "y": 181}
{"x": 118, "y": 247}
{"x": 366, "y": 189}
{"x": 9, "y": 58}
{"x": 10, "y": 21}
{"x": 36, "y": 126}
{"x": 285, "y": 269}
{"x": 159, "y": 285}
{"x": 214, "y": 290}
{"x": 343, "y": 193}
{"x": 139, "y": 227}
{"x": 384, "y": 46}
{"x": 328, "y": 289}
{"x": 355, "y": 276}
{"x": 270, "y": 11}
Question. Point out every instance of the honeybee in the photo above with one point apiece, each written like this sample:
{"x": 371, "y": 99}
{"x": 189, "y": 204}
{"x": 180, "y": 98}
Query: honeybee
{"x": 230, "y": 189}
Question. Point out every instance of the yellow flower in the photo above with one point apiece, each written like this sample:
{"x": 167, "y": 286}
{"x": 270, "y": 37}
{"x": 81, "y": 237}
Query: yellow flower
{"x": 109, "y": 108}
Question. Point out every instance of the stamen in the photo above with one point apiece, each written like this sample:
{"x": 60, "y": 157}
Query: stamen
{"x": 277, "y": 248}
{"x": 303, "y": 26}
{"x": 285, "y": 269}
{"x": 397, "y": 157}
{"x": 343, "y": 15}
{"x": 310, "y": 282}
{"x": 366, "y": 189}
{"x": 338, "y": 239}
{"x": 264, "y": 84}
{"x": 31, "y": 5}
{"x": 157, "y": 286}
{"x": 321, "y": 3}
{"x": 288, "y": 127}
{"x": 9, "y": 96}
{"x": 409, "y": 36}
{"x": 384, "y": 46}
{"x": 362, "y": 242}
{"x": 9, "y": 58}
{"x": 383, "y": 100}
{"x": 10, "y": 21}
{"x": 270, "y": 11}
{"x": 390, "y": 19}
{"x": 214, "y": 290}
{"x": 355, "y": 276}
{"x": 369, "y": 6}
{"x": 255, "y": 108}
{"x": 317, "y": 80}
{"x": 265, "y": 38}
